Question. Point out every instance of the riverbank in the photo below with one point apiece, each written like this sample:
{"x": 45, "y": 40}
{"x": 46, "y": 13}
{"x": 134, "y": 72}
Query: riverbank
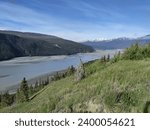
{"x": 12, "y": 89}
{"x": 42, "y": 78}
{"x": 107, "y": 87}
{"x": 39, "y": 68}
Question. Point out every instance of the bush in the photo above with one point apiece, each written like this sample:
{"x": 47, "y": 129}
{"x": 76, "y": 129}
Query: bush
{"x": 133, "y": 53}
{"x": 136, "y": 52}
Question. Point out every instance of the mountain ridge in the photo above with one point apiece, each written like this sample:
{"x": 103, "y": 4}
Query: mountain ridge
{"x": 17, "y": 44}
{"x": 117, "y": 43}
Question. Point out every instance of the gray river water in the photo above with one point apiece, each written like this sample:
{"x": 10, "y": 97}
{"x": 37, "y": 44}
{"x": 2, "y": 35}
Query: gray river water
{"x": 13, "y": 71}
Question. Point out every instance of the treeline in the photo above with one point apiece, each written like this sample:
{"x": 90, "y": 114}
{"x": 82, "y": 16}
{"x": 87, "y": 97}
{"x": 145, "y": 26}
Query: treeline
{"x": 60, "y": 75}
{"x": 25, "y": 92}
{"x": 135, "y": 52}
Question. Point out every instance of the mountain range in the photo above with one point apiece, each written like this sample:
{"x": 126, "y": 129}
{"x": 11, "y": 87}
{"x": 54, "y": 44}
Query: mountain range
{"x": 18, "y": 44}
{"x": 118, "y": 43}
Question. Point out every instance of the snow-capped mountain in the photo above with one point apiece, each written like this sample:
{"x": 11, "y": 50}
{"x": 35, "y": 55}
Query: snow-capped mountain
{"x": 145, "y": 37}
{"x": 117, "y": 43}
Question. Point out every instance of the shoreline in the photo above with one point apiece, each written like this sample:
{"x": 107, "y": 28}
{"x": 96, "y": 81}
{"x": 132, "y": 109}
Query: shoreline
{"x": 12, "y": 89}
{"x": 31, "y": 81}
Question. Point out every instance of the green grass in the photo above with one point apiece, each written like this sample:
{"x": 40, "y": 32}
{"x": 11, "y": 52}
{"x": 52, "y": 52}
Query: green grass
{"x": 123, "y": 86}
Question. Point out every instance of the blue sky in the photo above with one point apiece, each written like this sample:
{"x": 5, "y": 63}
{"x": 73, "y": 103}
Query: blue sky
{"x": 77, "y": 20}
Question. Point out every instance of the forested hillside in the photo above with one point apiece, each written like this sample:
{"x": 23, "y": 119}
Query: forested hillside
{"x": 18, "y": 44}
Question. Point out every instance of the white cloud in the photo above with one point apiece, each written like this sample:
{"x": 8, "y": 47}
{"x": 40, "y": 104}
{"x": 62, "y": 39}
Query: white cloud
{"x": 74, "y": 30}
{"x": 90, "y": 10}
{"x": 22, "y": 14}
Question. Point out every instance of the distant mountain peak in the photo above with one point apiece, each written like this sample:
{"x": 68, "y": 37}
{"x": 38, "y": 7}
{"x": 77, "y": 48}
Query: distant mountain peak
{"x": 125, "y": 38}
{"x": 118, "y": 43}
{"x": 145, "y": 37}
{"x": 109, "y": 40}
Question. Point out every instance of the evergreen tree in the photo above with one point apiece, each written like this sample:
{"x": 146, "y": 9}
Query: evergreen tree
{"x": 0, "y": 97}
{"x": 47, "y": 80}
{"x": 31, "y": 90}
{"x": 6, "y": 100}
{"x": 108, "y": 57}
{"x": 36, "y": 84}
{"x": 23, "y": 92}
{"x": 43, "y": 83}
{"x": 70, "y": 70}
{"x": 104, "y": 58}
{"x": 18, "y": 96}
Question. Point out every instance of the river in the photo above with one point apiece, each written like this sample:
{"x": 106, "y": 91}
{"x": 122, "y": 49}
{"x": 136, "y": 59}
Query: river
{"x": 12, "y": 71}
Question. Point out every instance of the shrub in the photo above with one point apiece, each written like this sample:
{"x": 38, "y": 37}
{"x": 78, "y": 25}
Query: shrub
{"x": 136, "y": 52}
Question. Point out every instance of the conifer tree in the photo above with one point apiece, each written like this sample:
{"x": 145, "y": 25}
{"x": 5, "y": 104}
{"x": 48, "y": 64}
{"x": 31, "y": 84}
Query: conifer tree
{"x": 31, "y": 90}
{"x": 5, "y": 100}
{"x": 0, "y": 97}
{"x": 18, "y": 96}
{"x": 108, "y": 57}
{"x": 22, "y": 94}
{"x": 70, "y": 70}
{"x": 104, "y": 58}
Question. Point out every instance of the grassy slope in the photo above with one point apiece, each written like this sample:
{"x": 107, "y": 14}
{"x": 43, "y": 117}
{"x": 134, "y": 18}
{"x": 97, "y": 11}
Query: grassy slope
{"x": 119, "y": 87}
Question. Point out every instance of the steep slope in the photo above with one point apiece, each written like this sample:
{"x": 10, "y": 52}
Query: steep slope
{"x": 16, "y": 44}
{"x": 112, "y": 87}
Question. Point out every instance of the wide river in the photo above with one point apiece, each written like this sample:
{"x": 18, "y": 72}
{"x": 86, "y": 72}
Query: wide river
{"x": 13, "y": 71}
